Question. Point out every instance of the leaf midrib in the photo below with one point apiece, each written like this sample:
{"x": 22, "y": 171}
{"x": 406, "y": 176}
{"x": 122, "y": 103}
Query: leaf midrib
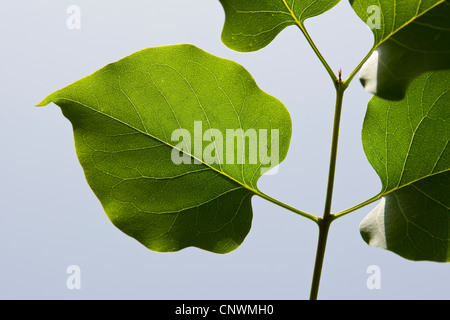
{"x": 292, "y": 14}
{"x": 414, "y": 133}
{"x": 255, "y": 191}
{"x": 392, "y": 33}
{"x": 384, "y": 193}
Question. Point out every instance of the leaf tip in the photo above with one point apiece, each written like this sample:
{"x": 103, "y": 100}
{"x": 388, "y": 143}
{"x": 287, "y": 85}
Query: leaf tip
{"x": 45, "y": 102}
{"x": 51, "y": 98}
{"x": 41, "y": 104}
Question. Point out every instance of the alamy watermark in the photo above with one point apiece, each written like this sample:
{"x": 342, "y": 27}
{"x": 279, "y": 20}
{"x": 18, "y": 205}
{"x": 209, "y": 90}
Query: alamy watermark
{"x": 73, "y": 21}
{"x": 374, "y": 280}
{"x": 74, "y": 280}
{"x": 234, "y": 146}
{"x": 374, "y": 20}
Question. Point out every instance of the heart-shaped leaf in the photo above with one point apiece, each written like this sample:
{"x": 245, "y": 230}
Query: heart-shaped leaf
{"x": 172, "y": 141}
{"x": 407, "y": 143}
{"x": 251, "y": 25}
{"x": 411, "y": 37}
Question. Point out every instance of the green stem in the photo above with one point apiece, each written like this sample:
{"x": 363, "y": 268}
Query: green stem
{"x": 301, "y": 26}
{"x": 324, "y": 226}
{"x": 281, "y": 204}
{"x": 316, "y": 50}
{"x": 357, "y": 207}
{"x": 325, "y": 222}
{"x": 358, "y": 67}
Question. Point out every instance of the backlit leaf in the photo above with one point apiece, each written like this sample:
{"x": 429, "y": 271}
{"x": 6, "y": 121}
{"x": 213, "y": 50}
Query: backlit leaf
{"x": 151, "y": 133}
{"x": 251, "y": 25}
{"x": 407, "y": 143}
{"x": 410, "y": 38}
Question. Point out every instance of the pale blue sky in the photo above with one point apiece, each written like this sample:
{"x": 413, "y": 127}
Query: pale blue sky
{"x": 50, "y": 219}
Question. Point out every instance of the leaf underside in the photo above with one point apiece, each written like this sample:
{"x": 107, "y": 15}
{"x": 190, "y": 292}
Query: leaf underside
{"x": 123, "y": 117}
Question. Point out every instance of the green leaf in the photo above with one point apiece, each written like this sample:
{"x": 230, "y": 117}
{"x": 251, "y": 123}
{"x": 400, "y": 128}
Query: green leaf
{"x": 410, "y": 38}
{"x": 252, "y": 25}
{"x": 141, "y": 133}
{"x": 407, "y": 143}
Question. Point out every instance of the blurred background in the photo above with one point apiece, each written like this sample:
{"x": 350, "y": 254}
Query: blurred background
{"x": 50, "y": 219}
